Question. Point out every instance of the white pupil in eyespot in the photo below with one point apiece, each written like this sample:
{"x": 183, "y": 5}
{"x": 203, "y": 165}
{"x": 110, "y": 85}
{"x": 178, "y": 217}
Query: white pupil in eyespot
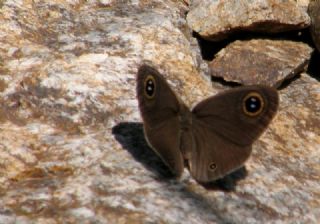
{"x": 253, "y": 104}
{"x": 149, "y": 87}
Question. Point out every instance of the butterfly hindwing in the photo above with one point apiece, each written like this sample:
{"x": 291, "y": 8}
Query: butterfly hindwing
{"x": 213, "y": 157}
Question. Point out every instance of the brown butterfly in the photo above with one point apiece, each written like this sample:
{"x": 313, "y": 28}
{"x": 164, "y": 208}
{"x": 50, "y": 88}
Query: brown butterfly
{"x": 215, "y": 137}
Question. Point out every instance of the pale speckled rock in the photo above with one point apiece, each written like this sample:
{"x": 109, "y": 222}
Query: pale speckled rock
{"x": 314, "y": 13}
{"x": 261, "y": 61}
{"x": 303, "y": 4}
{"x": 216, "y": 19}
{"x": 72, "y": 152}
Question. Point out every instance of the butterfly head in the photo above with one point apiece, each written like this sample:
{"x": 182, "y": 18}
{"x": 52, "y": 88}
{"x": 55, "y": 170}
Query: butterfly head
{"x": 253, "y": 104}
{"x": 149, "y": 87}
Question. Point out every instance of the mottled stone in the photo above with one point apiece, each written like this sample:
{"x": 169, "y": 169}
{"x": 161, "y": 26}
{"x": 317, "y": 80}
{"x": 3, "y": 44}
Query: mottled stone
{"x": 314, "y": 13}
{"x": 72, "y": 148}
{"x": 303, "y": 4}
{"x": 261, "y": 61}
{"x": 217, "y": 19}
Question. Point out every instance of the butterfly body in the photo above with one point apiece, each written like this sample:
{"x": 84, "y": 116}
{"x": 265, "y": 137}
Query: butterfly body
{"x": 215, "y": 137}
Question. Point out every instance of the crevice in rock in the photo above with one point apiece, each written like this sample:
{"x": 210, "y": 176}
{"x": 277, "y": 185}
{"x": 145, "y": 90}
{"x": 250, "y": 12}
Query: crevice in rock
{"x": 314, "y": 65}
{"x": 285, "y": 83}
{"x": 223, "y": 82}
{"x": 209, "y": 48}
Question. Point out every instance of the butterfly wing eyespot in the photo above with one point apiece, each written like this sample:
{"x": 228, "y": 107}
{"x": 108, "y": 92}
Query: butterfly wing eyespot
{"x": 212, "y": 167}
{"x": 150, "y": 87}
{"x": 253, "y": 104}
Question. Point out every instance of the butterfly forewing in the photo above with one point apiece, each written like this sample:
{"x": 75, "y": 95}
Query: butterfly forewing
{"x": 227, "y": 113}
{"x": 159, "y": 109}
{"x": 224, "y": 128}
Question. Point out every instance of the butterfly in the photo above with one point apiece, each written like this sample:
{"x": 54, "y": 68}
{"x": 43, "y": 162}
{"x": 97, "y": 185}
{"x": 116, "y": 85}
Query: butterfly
{"x": 214, "y": 138}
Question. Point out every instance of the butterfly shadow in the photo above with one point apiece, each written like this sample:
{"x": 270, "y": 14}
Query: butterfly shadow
{"x": 130, "y": 135}
{"x": 229, "y": 182}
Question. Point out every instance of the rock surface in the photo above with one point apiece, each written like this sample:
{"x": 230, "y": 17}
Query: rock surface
{"x": 314, "y": 13}
{"x": 261, "y": 61}
{"x": 72, "y": 148}
{"x": 303, "y": 4}
{"x": 216, "y": 19}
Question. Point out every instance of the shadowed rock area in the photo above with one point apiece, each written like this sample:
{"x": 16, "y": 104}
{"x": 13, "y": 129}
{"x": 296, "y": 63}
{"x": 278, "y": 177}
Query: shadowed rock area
{"x": 313, "y": 10}
{"x": 72, "y": 148}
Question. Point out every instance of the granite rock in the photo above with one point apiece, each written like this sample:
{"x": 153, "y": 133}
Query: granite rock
{"x": 303, "y": 4}
{"x": 216, "y": 19}
{"x": 261, "y": 61}
{"x": 72, "y": 148}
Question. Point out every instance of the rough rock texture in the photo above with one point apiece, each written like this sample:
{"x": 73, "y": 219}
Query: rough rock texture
{"x": 72, "y": 148}
{"x": 218, "y": 19}
{"x": 261, "y": 61}
{"x": 314, "y": 13}
{"x": 303, "y": 4}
